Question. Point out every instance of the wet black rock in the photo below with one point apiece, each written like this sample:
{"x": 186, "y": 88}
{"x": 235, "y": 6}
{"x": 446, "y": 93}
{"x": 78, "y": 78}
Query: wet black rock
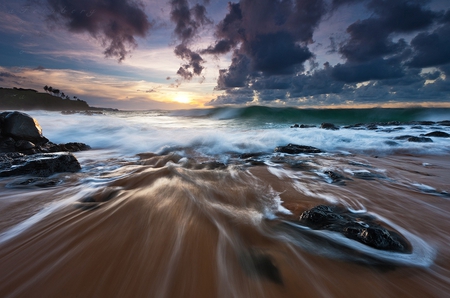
{"x": 21, "y": 133}
{"x": 444, "y": 123}
{"x": 302, "y": 126}
{"x": 259, "y": 263}
{"x": 21, "y": 126}
{"x": 420, "y": 140}
{"x": 359, "y": 227}
{"x": 297, "y": 149}
{"x": 438, "y": 134}
{"x": 40, "y": 182}
{"x": 329, "y": 126}
{"x": 335, "y": 177}
{"x": 251, "y": 155}
{"x": 404, "y": 137}
{"x": 41, "y": 165}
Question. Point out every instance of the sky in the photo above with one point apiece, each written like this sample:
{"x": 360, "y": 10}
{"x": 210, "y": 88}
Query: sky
{"x": 178, "y": 54}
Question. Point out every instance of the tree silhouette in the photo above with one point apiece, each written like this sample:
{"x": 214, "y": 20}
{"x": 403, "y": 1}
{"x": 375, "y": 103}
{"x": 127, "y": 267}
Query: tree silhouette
{"x": 46, "y": 88}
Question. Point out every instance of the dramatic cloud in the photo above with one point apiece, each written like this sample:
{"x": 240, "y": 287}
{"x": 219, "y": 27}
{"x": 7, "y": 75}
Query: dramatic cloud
{"x": 431, "y": 49}
{"x": 116, "y": 23}
{"x": 270, "y": 42}
{"x": 371, "y": 38}
{"x": 188, "y": 22}
{"x": 268, "y": 37}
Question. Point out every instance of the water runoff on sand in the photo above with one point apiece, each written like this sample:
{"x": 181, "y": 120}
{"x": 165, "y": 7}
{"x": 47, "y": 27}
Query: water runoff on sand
{"x": 197, "y": 203}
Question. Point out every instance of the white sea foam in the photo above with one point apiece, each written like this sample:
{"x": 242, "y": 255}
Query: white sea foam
{"x": 131, "y": 133}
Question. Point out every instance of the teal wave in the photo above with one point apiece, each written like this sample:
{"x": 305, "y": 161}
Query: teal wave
{"x": 317, "y": 116}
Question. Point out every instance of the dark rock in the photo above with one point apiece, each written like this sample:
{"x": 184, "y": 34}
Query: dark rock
{"x": 366, "y": 175}
{"x": 444, "y": 123}
{"x": 372, "y": 126}
{"x": 355, "y": 126}
{"x": 391, "y": 143}
{"x": 404, "y": 137}
{"x": 420, "y": 140}
{"x": 211, "y": 165}
{"x": 258, "y": 263}
{"x": 302, "y": 126}
{"x": 7, "y": 144}
{"x": 297, "y": 149}
{"x": 439, "y": 134}
{"x": 426, "y": 123}
{"x": 329, "y": 126}
{"x": 43, "y": 164}
{"x": 250, "y": 155}
{"x": 335, "y": 177}
{"x": 24, "y": 145}
{"x": 21, "y": 126}
{"x": 359, "y": 227}
{"x": 74, "y": 147}
{"x": 35, "y": 182}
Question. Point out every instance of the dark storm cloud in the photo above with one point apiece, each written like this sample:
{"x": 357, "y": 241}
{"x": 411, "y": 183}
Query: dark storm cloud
{"x": 270, "y": 39}
{"x": 377, "y": 69}
{"x": 431, "y": 49}
{"x": 370, "y": 38}
{"x": 188, "y": 22}
{"x": 266, "y": 36}
{"x": 116, "y": 23}
{"x": 194, "y": 67}
{"x": 236, "y": 75}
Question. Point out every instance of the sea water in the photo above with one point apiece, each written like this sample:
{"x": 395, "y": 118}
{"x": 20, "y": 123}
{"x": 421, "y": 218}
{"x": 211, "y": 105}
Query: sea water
{"x": 197, "y": 203}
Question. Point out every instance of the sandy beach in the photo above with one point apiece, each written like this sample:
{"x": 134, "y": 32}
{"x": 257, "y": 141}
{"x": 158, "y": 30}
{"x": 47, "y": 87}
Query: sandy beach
{"x": 164, "y": 226}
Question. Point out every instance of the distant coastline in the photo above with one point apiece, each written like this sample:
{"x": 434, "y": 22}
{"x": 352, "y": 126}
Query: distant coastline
{"x": 30, "y": 99}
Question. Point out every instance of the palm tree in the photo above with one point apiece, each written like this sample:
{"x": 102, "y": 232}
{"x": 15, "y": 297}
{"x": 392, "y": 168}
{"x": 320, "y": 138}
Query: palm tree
{"x": 46, "y": 88}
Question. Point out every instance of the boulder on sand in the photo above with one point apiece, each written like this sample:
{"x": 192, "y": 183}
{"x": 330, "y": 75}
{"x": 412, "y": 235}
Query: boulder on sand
{"x": 297, "y": 149}
{"x": 25, "y": 151}
{"x": 41, "y": 165}
{"x": 359, "y": 227}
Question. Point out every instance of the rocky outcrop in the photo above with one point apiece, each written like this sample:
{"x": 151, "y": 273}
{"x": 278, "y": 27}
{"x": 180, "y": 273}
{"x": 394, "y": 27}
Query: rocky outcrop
{"x": 20, "y": 126}
{"x": 329, "y": 126}
{"x": 438, "y": 134}
{"x": 302, "y": 126}
{"x": 359, "y": 227}
{"x": 420, "y": 140}
{"x": 297, "y": 149}
{"x": 41, "y": 165}
{"x": 25, "y": 151}
{"x": 21, "y": 133}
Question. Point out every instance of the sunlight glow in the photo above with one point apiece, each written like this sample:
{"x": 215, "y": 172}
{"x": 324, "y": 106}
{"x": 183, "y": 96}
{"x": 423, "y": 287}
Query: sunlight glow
{"x": 182, "y": 98}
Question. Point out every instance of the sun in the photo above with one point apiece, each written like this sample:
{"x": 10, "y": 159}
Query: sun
{"x": 182, "y": 98}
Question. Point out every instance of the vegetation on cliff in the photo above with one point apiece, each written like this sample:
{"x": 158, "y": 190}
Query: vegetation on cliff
{"x": 30, "y": 99}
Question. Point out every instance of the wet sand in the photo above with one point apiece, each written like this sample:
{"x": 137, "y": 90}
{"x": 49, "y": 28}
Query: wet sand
{"x": 168, "y": 227}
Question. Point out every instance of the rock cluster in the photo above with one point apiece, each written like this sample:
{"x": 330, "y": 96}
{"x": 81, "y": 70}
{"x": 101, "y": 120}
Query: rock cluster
{"x": 360, "y": 227}
{"x": 25, "y": 151}
{"x": 297, "y": 149}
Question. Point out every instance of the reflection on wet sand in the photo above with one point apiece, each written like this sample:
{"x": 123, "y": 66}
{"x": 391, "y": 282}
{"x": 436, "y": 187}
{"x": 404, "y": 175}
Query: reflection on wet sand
{"x": 167, "y": 226}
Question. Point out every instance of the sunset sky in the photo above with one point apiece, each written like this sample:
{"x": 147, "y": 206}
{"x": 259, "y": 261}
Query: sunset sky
{"x": 170, "y": 54}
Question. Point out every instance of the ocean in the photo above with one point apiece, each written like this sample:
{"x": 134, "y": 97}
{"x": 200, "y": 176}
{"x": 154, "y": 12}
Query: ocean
{"x": 200, "y": 203}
